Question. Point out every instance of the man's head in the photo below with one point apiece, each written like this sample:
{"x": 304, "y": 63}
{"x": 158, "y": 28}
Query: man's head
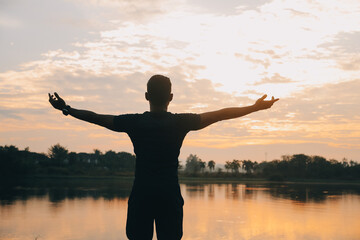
{"x": 159, "y": 90}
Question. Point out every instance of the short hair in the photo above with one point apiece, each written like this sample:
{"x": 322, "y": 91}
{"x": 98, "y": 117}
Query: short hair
{"x": 159, "y": 89}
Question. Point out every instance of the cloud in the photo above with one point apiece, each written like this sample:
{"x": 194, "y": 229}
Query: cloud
{"x": 325, "y": 114}
{"x": 227, "y": 7}
{"x": 124, "y": 10}
{"x": 346, "y": 42}
{"x": 345, "y": 50}
{"x": 9, "y": 114}
{"x": 174, "y": 33}
{"x": 264, "y": 62}
{"x": 274, "y": 79}
{"x": 340, "y": 99}
{"x": 299, "y": 13}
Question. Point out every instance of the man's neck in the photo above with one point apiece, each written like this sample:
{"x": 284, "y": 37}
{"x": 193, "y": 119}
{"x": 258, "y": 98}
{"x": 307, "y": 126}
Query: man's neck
{"x": 158, "y": 108}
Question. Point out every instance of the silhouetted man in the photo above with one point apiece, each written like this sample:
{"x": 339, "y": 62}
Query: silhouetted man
{"x": 157, "y": 137}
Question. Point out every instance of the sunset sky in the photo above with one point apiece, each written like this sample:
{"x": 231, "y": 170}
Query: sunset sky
{"x": 99, "y": 54}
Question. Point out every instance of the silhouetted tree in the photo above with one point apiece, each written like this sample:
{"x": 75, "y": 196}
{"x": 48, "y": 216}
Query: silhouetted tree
{"x": 9, "y": 160}
{"x": 227, "y": 166}
{"x": 58, "y": 154}
{"x": 248, "y": 166}
{"x": 211, "y": 165}
{"x": 202, "y": 165}
{"x": 126, "y": 161}
{"x": 298, "y": 165}
{"x": 235, "y": 165}
{"x": 193, "y": 164}
{"x": 318, "y": 167}
{"x": 111, "y": 160}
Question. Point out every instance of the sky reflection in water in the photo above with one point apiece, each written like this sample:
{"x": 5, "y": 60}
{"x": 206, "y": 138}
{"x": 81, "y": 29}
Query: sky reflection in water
{"x": 92, "y": 210}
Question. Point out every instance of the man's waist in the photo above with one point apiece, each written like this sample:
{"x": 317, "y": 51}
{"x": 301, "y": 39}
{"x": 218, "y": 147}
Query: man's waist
{"x": 155, "y": 179}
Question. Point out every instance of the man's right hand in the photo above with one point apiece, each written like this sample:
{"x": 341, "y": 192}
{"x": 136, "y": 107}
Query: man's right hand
{"x": 56, "y": 101}
{"x": 262, "y": 104}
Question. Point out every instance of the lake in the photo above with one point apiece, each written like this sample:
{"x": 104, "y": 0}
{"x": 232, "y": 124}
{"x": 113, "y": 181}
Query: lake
{"x": 80, "y": 209}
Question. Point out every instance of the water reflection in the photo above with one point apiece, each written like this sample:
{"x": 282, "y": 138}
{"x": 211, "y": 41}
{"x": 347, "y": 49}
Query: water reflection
{"x": 271, "y": 211}
{"x": 310, "y": 193}
{"x": 296, "y": 192}
{"x": 57, "y": 190}
{"x": 96, "y": 209}
{"x": 195, "y": 190}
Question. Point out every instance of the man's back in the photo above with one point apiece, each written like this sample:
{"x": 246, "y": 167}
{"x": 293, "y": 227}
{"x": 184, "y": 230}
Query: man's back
{"x": 157, "y": 138}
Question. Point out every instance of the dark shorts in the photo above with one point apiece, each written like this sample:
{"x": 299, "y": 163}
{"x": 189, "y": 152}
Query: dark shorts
{"x": 164, "y": 205}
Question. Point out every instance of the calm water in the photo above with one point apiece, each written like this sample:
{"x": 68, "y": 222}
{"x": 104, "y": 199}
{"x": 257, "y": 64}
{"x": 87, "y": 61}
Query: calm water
{"x": 92, "y": 210}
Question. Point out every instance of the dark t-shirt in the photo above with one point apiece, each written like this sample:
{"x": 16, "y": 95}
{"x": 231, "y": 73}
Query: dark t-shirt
{"x": 157, "y": 138}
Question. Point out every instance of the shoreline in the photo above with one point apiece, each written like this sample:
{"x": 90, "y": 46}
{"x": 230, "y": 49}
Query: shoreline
{"x": 185, "y": 180}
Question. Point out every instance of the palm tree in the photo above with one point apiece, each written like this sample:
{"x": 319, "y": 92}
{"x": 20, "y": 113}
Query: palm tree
{"x": 211, "y": 165}
{"x": 227, "y": 166}
{"x": 202, "y": 165}
{"x": 235, "y": 165}
{"x": 248, "y": 166}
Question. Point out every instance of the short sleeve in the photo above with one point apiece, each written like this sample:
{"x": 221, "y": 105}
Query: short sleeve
{"x": 124, "y": 123}
{"x": 190, "y": 121}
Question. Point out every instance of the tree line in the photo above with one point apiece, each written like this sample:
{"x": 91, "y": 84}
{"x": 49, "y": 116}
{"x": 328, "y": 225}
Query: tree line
{"x": 59, "y": 161}
{"x": 297, "y": 166}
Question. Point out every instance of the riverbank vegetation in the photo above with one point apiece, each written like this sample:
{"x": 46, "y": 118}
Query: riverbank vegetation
{"x": 60, "y": 162}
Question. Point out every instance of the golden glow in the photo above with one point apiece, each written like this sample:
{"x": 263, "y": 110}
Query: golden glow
{"x": 75, "y": 219}
{"x": 234, "y": 212}
{"x": 211, "y": 211}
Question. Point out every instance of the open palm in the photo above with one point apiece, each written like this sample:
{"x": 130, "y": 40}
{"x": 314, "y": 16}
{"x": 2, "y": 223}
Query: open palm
{"x": 263, "y": 104}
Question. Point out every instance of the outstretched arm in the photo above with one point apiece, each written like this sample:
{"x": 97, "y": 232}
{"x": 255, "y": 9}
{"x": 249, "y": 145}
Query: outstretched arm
{"x": 209, "y": 118}
{"x": 102, "y": 120}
